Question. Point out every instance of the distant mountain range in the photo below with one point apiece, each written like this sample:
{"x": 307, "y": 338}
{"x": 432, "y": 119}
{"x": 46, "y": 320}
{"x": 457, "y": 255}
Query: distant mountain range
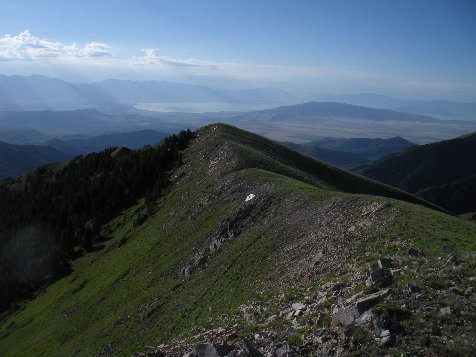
{"x": 18, "y": 159}
{"x": 308, "y": 112}
{"x": 443, "y": 173}
{"x": 132, "y": 92}
{"x": 440, "y": 109}
{"x": 315, "y": 120}
{"x": 88, "y": 122}
{"x": 295, "y": 123}
{"x": 131, "y": 140}
{"x": 43, "y": 93}
{"x": 22, "y": 135}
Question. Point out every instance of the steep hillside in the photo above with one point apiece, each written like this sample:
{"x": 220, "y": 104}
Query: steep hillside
{"x": 371, "y": 149}
{"x": 50, "y": 213}
{"x": 18, "y": 159}
{"x": 346, "y": 160}
{"x": 351, "y": 152}
{"x": 269, "y": 250}
{"x": 458, "y": 196}
{"x": 426, "y": 168}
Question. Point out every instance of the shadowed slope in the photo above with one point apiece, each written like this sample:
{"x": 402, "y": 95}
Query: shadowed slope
{"x": 17, "y": 159}
{"x": 428, "y": 167}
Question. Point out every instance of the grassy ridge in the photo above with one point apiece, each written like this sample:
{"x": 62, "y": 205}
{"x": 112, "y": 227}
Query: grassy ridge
{"x": 131, "y": 291}
{"x": 266, "y": 154}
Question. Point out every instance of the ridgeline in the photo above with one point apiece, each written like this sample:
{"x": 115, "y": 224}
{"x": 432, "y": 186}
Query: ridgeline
{"x": 250, "y": 248}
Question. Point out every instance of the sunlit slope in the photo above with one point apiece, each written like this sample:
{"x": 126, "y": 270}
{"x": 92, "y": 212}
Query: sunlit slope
{"x": 255, "y": 151}
{"x": 225, "y": 234}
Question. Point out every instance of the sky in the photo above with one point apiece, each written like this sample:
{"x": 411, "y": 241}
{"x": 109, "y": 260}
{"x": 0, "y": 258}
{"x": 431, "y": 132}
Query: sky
{"x": 407, "y": 49}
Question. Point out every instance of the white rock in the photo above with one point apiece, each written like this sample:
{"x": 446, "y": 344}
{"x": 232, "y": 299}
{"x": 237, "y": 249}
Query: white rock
{"x": 249, "y": 197}
{"x": 322, "y": 300}
{"x": 365, "y": 318}
{"x": 385, "y": 340}
{"x": 271, "y": 318}
{"x": 285, "y": 312}
{"x": 446, "y": 311}
{"x": 298, "y": 306}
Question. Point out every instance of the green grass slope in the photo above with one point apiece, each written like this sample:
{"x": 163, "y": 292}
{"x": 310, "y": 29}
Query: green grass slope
{"x": 255, "y": 151}
{"x": 245, "y": 221}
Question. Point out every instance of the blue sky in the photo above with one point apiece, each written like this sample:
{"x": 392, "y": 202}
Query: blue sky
{"x": 423, "y": 49}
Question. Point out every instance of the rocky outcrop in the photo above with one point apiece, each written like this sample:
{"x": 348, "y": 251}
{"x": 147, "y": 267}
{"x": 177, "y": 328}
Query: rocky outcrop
{"x": 355, "y": 317}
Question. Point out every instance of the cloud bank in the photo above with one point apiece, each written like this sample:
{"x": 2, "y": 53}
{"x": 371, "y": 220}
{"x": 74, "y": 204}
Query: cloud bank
{"x": 25, "y": 46}
{"x": 153, "y": 58}
{"x": 28, "y": 54}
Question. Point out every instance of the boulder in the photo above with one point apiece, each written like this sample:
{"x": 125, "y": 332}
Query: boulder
{"x": 224, "y": 349}
{"x": 365, "y": 319}
{"x": 385, "y": 263}
{"x": 206, "y": 350}
{"x": 413, "y": 288}
{"x": 209, "y": 350}
{"x": 380, "y": 274}
{"x": 345, "y": 315}
{"x": 446, "y": 311}
{"x": 287, "y": 351}
{"x": 245, "y": 349}
{"x": 367, "y": 302}
{"x": 298, "y": 306}
{"x": 386, "y": 338}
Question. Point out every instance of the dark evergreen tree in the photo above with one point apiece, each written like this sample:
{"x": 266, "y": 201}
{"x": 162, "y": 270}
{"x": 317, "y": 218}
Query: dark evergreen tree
{"x": 67, "y": 209}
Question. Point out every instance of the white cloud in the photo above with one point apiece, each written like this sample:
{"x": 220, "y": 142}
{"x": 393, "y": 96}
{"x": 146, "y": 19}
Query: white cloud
{"x": 154, "y": 58}
{"x": 93, "y": 49}
{"x": 25, "y": 54}
{"x": 154, "y": 61}
{"x": 25, "y": 46}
